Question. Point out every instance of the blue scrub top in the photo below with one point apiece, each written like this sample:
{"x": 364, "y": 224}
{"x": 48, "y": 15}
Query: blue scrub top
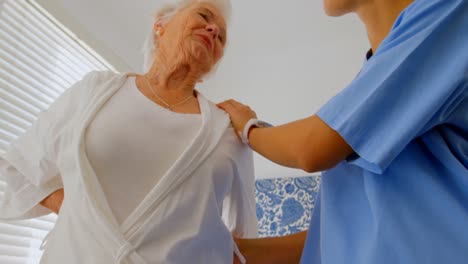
{"x": 403, "y": 196}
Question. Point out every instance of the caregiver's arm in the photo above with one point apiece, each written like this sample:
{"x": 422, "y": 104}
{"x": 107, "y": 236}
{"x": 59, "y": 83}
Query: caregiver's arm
{"x": 308, "y": 144}
{"x": 54, "y": 201}
{"x": 273, "y": 250}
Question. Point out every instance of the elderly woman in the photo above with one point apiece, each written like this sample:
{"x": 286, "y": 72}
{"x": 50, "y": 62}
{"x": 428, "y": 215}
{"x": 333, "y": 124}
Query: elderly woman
{"x": 151, "y": 170}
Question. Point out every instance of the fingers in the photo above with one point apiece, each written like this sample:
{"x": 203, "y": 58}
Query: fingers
{"x": 224, "y": 105}
{"x": 239, "y": 113}
{"x": 58, "y": 200}
{"x": 236, "y": 104}
{"x": 227, "y": 103}
{"x": 230, "y": 105}
{"x": 54, "y": 201}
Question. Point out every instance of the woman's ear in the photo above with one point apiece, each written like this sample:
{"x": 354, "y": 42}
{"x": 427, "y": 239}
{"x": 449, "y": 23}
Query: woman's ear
{"x": 158, "y": 27}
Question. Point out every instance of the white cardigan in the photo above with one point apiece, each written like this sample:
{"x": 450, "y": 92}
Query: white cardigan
{"x": 190, "y": 214}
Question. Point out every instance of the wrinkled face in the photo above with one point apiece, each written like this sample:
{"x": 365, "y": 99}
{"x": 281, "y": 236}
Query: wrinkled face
{"x": 197, "y": 32}
{"x": 341, "y": 7}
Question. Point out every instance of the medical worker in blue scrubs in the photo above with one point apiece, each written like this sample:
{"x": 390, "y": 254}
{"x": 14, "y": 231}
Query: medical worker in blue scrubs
{"x": 393, "y": 145}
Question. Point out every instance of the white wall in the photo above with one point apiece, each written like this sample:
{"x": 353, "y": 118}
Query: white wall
{"x": 285, "y": 58}
{"x": 77, "y": 21}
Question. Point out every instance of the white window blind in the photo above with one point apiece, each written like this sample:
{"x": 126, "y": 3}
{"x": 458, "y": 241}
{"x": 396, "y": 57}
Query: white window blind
{"x": 39, "y": 59}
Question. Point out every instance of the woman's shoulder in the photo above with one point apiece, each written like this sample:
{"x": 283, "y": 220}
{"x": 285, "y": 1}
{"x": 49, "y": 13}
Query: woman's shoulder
{"x": 217, "y": 113}
{"x": 230, "y": 141}
{"x": 95, "y": 81}
{"x": 103, "y": 76}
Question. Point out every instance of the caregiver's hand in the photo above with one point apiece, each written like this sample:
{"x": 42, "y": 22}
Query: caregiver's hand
{"x": 272, "y": 250}
{"x": 240, "y": 114}
{"x": 253, "y": 251}
{"x": 54, "y": 201}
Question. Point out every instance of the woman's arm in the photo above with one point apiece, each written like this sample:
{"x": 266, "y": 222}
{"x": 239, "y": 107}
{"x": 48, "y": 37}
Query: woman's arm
{"x": 54, "y": 201}
{"x": 308, "y": 144}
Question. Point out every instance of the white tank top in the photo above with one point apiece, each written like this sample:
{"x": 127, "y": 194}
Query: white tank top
{"x": 131, "y": 144}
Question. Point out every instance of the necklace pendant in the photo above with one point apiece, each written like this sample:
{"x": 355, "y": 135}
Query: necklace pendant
{"x": 168, "y": 106}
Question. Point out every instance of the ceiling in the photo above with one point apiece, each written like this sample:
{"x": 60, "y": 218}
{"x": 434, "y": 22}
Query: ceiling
{"x": 284, "y": 58}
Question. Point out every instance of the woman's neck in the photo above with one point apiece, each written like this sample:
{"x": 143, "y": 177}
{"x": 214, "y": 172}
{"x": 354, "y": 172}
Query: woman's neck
{"x": 174, "y": 78}
{"x": 379, "y": 16}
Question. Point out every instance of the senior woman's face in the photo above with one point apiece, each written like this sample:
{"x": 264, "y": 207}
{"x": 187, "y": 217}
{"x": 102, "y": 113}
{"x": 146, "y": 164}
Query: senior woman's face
{"x": 199, "y": 32}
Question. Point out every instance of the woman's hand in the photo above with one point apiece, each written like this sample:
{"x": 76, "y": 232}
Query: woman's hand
{"x": 240, "y": 114}
{"x": 54, "y": 201}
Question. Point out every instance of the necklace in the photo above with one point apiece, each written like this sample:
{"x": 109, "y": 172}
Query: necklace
{"x": 168, "y": 106}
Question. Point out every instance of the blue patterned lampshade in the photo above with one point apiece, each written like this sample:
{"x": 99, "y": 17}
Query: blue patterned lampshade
{"x": 284, "y": 205}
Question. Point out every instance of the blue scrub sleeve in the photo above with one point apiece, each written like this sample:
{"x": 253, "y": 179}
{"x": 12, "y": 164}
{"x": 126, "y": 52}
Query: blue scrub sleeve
{"x": 412, "y": 83}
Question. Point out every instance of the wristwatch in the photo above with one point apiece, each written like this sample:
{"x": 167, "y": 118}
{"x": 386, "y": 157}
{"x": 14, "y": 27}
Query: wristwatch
{"x": 252, "y": 122}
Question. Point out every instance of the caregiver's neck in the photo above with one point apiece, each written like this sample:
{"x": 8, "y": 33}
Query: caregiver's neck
{"x": 379, "y": 16}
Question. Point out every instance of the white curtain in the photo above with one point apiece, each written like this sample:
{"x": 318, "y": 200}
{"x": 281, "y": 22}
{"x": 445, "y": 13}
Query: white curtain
{"x": 39, "y": 59}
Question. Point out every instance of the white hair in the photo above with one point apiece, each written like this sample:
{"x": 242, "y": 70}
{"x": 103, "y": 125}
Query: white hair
{"x": 165, "y": 13}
